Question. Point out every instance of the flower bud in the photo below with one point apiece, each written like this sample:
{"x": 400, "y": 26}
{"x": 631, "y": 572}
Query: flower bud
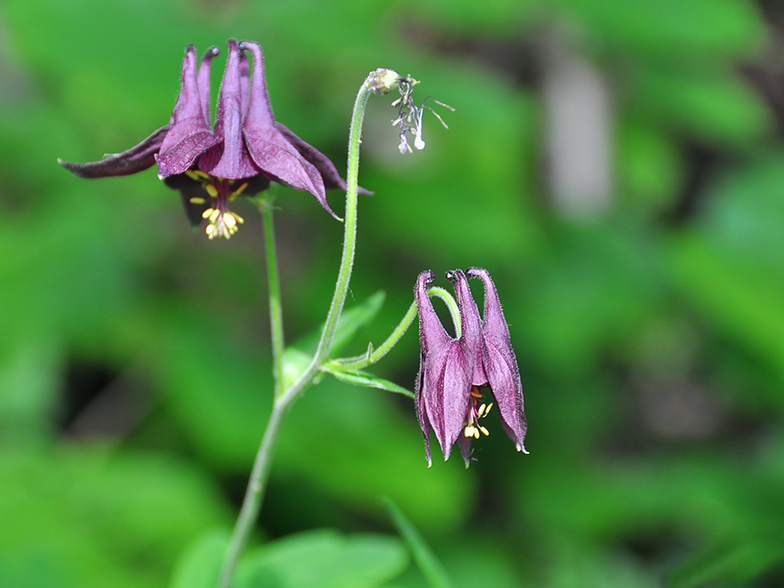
{"x": 383, "y": 81}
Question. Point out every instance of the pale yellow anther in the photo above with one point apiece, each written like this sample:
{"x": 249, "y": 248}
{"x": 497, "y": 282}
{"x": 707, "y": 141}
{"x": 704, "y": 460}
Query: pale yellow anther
{"x": 469, "y": 431}
{"x": 476, "y": 432}
{"x": 484, "y": 430}
{"x": 230, "y": 222}
{"x": 207, "y": 213}
{"x": 197, "y": 175}
{"x": 215, "y": 215}
{"x": 211, "y": 190}
{"x": 197, "y": 200}
{"x": 238, "y": 191}
{"x": 480, "y": 413}
{"x": 487, "y": 410}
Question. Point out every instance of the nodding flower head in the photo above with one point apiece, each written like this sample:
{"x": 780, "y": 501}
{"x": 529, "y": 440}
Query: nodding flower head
{"x": 453, "y": 371}
{"x": 242, "y": 153}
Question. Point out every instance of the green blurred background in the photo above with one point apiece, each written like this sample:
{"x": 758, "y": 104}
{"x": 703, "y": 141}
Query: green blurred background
{"x": 617, "y": 165}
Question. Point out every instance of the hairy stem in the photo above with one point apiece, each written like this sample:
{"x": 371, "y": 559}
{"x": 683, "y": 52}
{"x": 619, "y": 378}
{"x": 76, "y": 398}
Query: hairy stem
{"x": 275, "y": 307}
{"x": 362, "y": 361}
{"x": 251, "y": 505}
{"x": 254, "y": 494}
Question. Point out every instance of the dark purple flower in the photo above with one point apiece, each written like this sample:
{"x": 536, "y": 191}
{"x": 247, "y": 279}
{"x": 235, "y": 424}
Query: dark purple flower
{"x": 452, "y": 370}
{"x": 244, "y": 151}
{"x": 500, "y": 363}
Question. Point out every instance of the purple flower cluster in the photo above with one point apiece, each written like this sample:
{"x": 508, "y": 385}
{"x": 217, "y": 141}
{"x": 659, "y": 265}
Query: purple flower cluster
{"x": 241, "y": 154}
{"x": 452, "y": 370}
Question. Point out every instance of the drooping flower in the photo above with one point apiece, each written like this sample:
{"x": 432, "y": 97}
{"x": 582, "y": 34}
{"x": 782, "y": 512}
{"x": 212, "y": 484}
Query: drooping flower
{"x": 443, "y": 386}
{"x": 453, "y": 369}
{"x": 244, "y": 151}
{"x": 500, "y": 363}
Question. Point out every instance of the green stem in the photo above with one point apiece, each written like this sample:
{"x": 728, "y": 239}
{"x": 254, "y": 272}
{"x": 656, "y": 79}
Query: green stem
{"x": 451, "y": 304}
{"x": 362, "y": 361}
{"x": 251, "y": 505}
{"x": 349, "y": 247}
{"x": 275, "y": 307}
{"x": 254, "y": 494}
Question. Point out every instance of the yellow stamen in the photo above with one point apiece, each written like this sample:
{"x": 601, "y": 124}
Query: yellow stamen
{"x": 238, "y": 191}
{"x": 211, "y": 190}
{"x": 469, "y": 431}
{"x": 196, "y": 175}
{"x": 207, "y": 213}
{"x": 484, "y": 430}
{"x": 197, "y": 200}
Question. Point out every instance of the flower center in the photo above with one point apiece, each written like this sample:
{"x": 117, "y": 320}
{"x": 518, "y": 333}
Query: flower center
{"x": 476, "y": 411}
{"x": 221, "y": 221}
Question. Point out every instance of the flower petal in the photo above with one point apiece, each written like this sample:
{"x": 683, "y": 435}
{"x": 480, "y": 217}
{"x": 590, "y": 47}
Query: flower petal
{"x": 134, "y": 160}
{"x": 471, "y": 331}
{"x": 229, "y": 158}
{"x": 454, "y": 389}
{"x": 189, "y": 130}
{"x": 433, "y": 339}
{"x": 323, "y": 164}
{"x": 270, "y": 149}
{"x": 503, "y": 374}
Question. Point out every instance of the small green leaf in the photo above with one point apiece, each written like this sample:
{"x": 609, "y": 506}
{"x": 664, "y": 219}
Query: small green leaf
{"x": 360, "y": 378}
{"x": 295, "y": 362}
{"x": 735, "y": 564}
{"x": 351, "y": 321}
{"x": 297, "y": 357}
{"x": 321, "y": 559}
{"x": 200, "y": 565}
{"x": 431, "y": 568}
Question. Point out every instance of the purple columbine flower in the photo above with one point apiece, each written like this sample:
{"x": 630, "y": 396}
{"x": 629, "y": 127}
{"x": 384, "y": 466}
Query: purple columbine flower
{"x": 452, "y": 370}
{"x": 244, "y": 151}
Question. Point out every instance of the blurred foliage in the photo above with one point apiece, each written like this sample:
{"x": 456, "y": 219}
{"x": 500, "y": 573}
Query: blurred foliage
{"x": 135, "y": 378}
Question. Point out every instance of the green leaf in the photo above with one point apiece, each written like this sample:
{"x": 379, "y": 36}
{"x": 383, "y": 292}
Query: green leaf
{"x": 295, "y": 362}
{"x": 297, "y": 357}
{"x": 431, "y": 568}
{"x": 734, "y": 564}
{"x": 200, "y": 565}
{"x": 351, "y": 321}
{"x": 361, "y": 378}
{"x": 321, "y": 559}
